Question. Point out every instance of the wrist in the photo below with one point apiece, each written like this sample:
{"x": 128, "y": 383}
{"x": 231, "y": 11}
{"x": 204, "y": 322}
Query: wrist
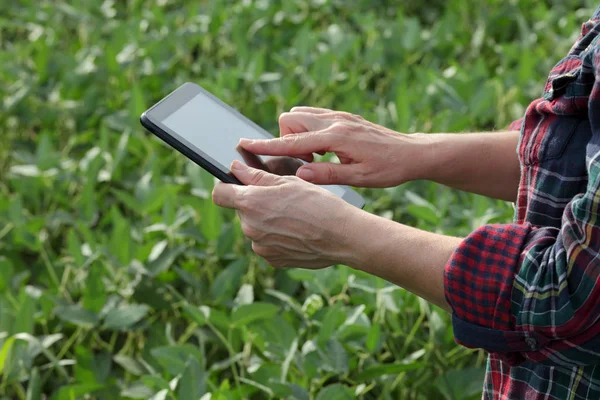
{"x": 366, "y": 240}
{"x": 417, "y": 152}
{"x": 356, "y": 224}
{"x": 429, "y": 151}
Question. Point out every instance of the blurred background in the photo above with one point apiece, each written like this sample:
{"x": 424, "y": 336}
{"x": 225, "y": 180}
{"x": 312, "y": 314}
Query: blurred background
{"x": 119, "y": 279}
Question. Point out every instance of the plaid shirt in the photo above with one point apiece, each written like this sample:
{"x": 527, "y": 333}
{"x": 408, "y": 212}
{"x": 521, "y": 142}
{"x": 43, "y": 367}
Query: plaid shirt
{"x": 529, "y": 292}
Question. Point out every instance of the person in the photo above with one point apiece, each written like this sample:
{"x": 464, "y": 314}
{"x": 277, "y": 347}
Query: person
{"x": 526, "y": 291}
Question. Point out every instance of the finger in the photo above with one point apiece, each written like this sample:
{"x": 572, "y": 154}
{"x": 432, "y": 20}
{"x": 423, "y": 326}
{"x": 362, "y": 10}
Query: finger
{"x": 283, "y": 165}
{"x": 299, "y": 122}
{"x": 251, "y": 159}
{"x": 325, "y": 173}
{"x": 291, "y": 145}
{"x": 306, "y": 157}
{"x": 252, "y": 176}
{"x": 311, "y": 110}
{"x": 226, "y": 195}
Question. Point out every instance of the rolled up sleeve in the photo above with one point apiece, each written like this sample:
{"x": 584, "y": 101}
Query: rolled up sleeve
{"x": 527, "y": 292}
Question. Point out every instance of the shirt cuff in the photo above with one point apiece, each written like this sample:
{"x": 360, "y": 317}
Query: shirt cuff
{"x": 516, "y": 125}
{"x": 478, "y": 283}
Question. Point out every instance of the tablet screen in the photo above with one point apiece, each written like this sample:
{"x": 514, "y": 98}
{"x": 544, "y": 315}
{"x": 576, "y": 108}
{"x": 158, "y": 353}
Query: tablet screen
{"x": 210, "y": 127}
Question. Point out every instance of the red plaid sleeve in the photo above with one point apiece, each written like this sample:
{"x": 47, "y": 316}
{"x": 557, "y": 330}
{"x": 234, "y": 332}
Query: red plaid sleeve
{"x": 516, "y": 125}
{"x": 534, "y": 292}
{"x": 479, "y": 279}
{"x": 525, "y": 292}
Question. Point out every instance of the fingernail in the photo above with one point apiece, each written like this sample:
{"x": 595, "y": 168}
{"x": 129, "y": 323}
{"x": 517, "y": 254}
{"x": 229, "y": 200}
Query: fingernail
{"x": 246, "y": 141}
{"x": 236, "y": 166}
{"x": 306, "y": 174}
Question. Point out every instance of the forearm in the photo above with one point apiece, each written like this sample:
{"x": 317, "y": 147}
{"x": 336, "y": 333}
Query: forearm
{"x": 408, "y": 257}
{"x": 482, "y": 163}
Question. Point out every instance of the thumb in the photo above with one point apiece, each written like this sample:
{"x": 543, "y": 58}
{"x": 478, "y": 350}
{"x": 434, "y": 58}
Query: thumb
{"x": 325, "y": 173}
{"x": 252, "y": 176}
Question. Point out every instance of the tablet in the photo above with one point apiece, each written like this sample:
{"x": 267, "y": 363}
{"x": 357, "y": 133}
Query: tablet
{"x": 207, "y": 131}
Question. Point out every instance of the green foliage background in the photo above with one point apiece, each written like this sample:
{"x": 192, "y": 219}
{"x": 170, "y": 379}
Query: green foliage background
{"x": 118, "y": 276}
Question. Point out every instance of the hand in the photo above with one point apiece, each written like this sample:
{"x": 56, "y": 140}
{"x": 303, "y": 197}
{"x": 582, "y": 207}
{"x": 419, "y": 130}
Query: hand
{"x": 291, "y": 223}
{"x": 370, "y": 155}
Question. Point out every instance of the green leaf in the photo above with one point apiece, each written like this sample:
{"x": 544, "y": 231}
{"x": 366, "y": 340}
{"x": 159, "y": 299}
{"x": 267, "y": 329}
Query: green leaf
{"x": 198, "y": 315}
{"x": 34, "y": 388}
{"x": 77, "y": 315}
{"x": 192, "y": 384}
{"x": 137, "y": 390}
{"x": 226, "y": 241}
{"x": 84, "y": 369}
{"x": 249, "y": 313}
{"x": 174, "y": 358}
{"x": 125, "y": 316}
{"x": 165, "y": 260}
{"x": 334, "y": 318}
{"x": 74, "y": 246}
{"x": 94, "y": 296}
{"x": 335, "y": 357}
{"x": 127, "y": 199}
{"x": 45, "y": 157}
{"x": 75, "y": 391}
{"x": 219, "y": 319}
{"x": 373, "y": 337}
{"x": 421, "y": 208}
{"x": 227, "y": 283}
{"x": 5, "y": 352}
{"x": 120, "y": 240}
{"x": 210, "y": 220}
{"x": 155, "y": 382}
{"x": 298, "y": 393}
{"x": 461, "y": 384}
{"x": 129, "y": 364}
{"x": 335, "y": 392}
{"x": 160, "y": 395}
{"x": 423, "y": 213}
{"x": 379, "y": 370}
{"x": 137, "y": 104}
{"x": 6, "y": 273}
{"x": 25, "y": 322}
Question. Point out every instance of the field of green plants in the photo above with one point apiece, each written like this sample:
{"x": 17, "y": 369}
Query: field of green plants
{"x": 119, "y": 279}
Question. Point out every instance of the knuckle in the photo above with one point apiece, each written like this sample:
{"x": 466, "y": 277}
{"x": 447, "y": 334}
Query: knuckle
{"x": 295, "y": 140}
{"x": 259, "y": 178}
{"x": 361, "y": 174}
{"x": 242, "y": 200}
{"x": 258, "y": 249}
{"x": 245, "y": 227}
{"x": 331, "y": 174}
{"x": 344, "y": 115}
{"x": 249, "y": 231}
{"x": 255, "y": 178}
{"x": 283, "y": 117}
{"x": 339, "y": 127}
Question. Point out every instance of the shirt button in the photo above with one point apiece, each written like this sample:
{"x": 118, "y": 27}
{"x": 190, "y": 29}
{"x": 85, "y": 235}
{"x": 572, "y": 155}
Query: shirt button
{"x": 531, "y": 342}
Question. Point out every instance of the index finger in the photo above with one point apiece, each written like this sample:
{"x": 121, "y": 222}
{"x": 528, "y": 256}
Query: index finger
{"x": 291, "y": 145}
{"x": 226, "y": 194}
